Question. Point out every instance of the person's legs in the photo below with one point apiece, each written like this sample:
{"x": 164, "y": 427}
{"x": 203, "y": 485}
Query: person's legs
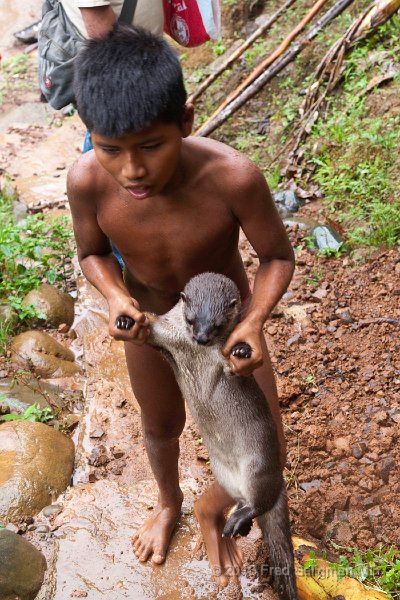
{"x": 163, "y": 418}
{"x": 224, "y": 556}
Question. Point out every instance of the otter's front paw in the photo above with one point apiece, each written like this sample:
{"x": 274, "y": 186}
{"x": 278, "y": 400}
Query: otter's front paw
{"x": 241, "y": 350}
{"x": 124, "y": 322}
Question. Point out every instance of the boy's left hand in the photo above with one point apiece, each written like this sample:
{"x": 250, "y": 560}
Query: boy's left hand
{"x": 244, "y": 332}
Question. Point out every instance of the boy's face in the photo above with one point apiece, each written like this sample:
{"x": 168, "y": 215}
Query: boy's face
{"x": 144, "y": 162}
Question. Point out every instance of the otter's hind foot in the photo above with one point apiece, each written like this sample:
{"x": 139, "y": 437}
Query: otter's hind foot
{"x": 240, "y": 522}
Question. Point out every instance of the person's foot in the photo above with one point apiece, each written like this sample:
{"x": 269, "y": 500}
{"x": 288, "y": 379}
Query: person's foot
{"x": 225, "y": 558}
{"x": 153, "y": 537}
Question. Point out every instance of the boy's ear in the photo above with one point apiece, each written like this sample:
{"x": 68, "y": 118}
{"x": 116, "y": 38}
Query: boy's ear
{"x": 188, "y": 119}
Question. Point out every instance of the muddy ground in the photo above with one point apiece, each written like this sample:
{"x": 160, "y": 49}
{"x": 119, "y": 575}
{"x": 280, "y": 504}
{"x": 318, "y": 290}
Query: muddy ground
{"x": 334, "y": 341}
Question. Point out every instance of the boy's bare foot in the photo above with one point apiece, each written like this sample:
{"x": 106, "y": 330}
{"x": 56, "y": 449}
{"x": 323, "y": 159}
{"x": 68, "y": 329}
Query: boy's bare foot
{"x": 225, "y": 558}
{"x": 154, "y": 536}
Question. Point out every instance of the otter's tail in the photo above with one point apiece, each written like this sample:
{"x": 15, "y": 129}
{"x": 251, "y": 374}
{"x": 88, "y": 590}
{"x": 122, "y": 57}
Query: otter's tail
{"x": 276, "y": 532}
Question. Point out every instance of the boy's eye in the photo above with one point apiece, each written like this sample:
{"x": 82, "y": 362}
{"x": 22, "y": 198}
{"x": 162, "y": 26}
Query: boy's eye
{"x": 151, "y": 146}
{"x": 108, "y": 150}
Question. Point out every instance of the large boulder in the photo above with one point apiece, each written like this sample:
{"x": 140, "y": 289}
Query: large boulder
{"x": 40, "y": 352}
{"x": 22, "y": 567}
{"x": 56, "y": 306}
{"x": 36, "y": 464}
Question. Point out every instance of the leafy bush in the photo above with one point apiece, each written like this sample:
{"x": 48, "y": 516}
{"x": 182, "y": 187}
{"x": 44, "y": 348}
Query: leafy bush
{"x": 31, "y": 253}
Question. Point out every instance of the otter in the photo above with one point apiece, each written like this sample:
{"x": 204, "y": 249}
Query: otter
{"x": 231, "y": 411}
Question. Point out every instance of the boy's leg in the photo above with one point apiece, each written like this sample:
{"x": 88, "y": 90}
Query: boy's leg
{"x": 163, "y": 418}
{"x": 224, "y": 556}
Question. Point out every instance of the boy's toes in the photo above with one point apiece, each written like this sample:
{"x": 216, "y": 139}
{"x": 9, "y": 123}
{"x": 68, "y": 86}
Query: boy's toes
{"x": 158, "y": 556}
{"x": 144, "y": 554}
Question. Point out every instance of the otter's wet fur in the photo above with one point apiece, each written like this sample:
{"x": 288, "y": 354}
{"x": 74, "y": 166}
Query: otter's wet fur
{"x": 232, "y": 414}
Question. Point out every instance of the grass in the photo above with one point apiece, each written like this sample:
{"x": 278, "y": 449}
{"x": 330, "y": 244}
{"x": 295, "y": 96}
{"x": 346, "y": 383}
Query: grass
{"x": 31, "y": 253}
{"x": 10, "y": 71}
{"x": 32, "y": 413}
{"x": 378, "y": 567}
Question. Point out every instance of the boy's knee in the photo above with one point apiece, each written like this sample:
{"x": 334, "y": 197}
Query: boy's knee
{"x": 162, "y": 433}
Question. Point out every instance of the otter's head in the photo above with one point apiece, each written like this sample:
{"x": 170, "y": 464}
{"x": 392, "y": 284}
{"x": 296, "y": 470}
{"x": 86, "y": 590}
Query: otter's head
{"x": 211, "y": 306}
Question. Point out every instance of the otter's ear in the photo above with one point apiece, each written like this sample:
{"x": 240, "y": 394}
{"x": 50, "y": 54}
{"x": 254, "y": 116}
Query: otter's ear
{"x": 233, "y": 302}
{"x": 183, "y": 296}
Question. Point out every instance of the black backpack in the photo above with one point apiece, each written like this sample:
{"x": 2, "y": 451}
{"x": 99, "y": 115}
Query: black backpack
{"x": 59, "y": 42}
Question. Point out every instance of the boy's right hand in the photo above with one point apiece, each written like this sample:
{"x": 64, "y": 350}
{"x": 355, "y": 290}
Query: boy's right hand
{"x": 129, "y": 307}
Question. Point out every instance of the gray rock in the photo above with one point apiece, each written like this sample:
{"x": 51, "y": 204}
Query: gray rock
{"x": 31, "y": 113}
{"x": 315, "y": 484}
{"x": 326, "y": 238}
{"x": 56, "y": 306}
{"x": 295, "y": 339}
{"x": 43, "y": 354}
{"x": 302, "y": 224}
{"x": 53, "y": 509}
{"x": 36, "y": 464}
{"x": 22, "y": 567}
{"x": 386, "y": 466}
{"x": 284, "y": 212}
{"x": 289, "y": 200}
{"x": 20, "y": 212}
{"x": 358, "y": 450}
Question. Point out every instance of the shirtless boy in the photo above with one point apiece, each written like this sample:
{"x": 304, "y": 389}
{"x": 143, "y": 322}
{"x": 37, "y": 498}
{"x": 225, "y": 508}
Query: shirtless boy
{"x": 173, "y": 206}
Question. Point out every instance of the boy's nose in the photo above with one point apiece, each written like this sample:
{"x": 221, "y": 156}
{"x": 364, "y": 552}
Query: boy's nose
{"x": 134, "y": 169}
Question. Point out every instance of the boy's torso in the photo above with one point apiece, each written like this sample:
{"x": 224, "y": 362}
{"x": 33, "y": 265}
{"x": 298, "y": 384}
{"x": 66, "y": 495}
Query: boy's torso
{"x": 165, "y": 241}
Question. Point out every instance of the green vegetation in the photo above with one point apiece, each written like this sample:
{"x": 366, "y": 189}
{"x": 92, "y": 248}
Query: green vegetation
{"x": 379, "y": 567}
{"x": 10, "y": 71}
{"x": 32, "y": 413}
{"x": 30, "y": 253}
{"x": 35, "y": 251}
{"x": 5, "y": 332}
{"x": 16, "y": 65}
{"x": 356, "y": 171}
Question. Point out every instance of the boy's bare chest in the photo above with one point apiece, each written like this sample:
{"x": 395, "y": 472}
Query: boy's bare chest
{"x": 192, "y": 233}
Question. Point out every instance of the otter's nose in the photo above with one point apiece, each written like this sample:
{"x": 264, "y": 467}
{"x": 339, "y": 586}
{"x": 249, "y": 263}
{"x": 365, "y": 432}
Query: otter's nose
{"x": 202, "y": 339}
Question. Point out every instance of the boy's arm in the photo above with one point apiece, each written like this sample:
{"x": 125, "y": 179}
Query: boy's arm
{"x": 254, "y": 208}
{"x": 98, "y": 263}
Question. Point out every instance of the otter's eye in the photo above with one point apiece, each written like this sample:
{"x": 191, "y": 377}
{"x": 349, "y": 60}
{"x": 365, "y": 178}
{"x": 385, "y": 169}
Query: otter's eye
{"x": 189, "y": 321}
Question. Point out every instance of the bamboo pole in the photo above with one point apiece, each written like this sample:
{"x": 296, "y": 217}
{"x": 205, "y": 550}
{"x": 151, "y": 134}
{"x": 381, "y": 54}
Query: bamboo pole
{"x": 270, "y": 72}
{"x": 239, "y": 51}
{"x": 264, "y": 64}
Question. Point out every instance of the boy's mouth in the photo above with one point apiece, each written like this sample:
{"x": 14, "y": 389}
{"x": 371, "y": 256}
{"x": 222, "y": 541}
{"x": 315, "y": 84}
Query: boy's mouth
{"x": 139, "y": 192}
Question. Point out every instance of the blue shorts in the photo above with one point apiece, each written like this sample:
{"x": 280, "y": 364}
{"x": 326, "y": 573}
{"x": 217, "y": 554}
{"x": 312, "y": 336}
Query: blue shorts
{"x": 87, "y": 145}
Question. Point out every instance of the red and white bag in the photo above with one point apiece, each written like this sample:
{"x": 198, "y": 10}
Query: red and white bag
{"x": 192, "y": 22}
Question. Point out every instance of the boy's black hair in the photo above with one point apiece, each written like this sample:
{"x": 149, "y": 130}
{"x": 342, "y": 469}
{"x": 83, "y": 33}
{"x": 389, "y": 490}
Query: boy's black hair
{"x": 126, "y": 81}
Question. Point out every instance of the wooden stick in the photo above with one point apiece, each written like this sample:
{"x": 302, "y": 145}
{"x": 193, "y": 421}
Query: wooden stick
{"x": 239, "y": 51}
{"x": 270, "y": 72}
{"x": 264, "y": 64}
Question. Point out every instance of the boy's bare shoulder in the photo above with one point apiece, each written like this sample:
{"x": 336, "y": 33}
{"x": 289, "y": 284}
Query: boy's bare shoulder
{"x": 86, "y": 178}
{"x": 228, "y": 167}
